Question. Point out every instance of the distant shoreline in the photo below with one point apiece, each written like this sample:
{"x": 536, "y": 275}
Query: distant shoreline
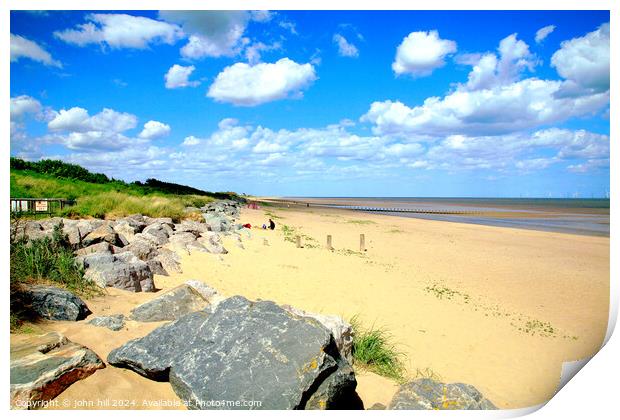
{"x": 574, "y": 216}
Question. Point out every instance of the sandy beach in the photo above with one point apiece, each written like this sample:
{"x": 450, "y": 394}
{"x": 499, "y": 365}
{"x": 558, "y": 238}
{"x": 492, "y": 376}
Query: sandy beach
{"x": 497, "y": 308}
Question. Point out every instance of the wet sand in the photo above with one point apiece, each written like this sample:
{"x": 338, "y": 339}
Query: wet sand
{"x": 497, "y": 308}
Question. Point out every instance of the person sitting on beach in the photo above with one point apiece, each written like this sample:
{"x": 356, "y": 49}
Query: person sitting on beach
{"x": 272, "y": 224}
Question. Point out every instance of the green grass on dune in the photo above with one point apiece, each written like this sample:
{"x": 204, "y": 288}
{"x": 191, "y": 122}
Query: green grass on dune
{"x": 373, "y": 350}
{"x": 47, "y": 260}
{"x": 113, "y": 199}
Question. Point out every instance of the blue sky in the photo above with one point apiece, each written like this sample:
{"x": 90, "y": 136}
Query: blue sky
{"x": 320, "y": 103}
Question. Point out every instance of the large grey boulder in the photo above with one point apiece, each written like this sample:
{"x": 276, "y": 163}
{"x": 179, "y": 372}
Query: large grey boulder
{"x": 104, "y": 233}
{"x": 53, "y": 303}
{"x": 44, "y": 366}
{"x": 156, "y": 267}
{"x": 157, "y": 233}
{"x": 142, "y": 247}
{"x": 191, "y": 226}
{"x": 112, "y": 322}
{"x": 77, "y": 230}
{"x": 341, "y": 330}
{"x": 245, "y": 351}
{"x": 30, "y": 230}
{"x": 101, "y": 247}
{"x": 428, "y": 394}
{"x": 212, "y": 242}
{"x": 171, "y": 305}
{"x": 170, "y": 260}
{"x": 125, "y": 231}
{"x": 217, "y": 222}
{"x": 122, "y": 271}
{"x": 180, "y": 241}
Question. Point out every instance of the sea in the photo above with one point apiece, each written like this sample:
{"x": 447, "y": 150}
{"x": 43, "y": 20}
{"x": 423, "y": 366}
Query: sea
{"x": 567, "y": 215}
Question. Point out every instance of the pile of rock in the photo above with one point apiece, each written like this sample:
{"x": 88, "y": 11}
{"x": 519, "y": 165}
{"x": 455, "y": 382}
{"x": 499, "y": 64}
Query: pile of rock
{"x": 239, "y": 351}
{"x": 227, "y": 207}
{"x": 125, "y": 253}
{"x": 216, "y": 351}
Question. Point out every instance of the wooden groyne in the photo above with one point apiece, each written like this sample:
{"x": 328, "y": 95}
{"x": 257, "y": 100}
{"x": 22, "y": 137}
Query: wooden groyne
{"x": 406, "y": 210}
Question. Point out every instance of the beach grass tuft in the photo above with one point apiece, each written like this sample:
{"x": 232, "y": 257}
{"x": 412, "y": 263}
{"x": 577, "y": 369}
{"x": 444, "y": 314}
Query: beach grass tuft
{"x": 361, "y": 222}
{"x": 373, "y": 350}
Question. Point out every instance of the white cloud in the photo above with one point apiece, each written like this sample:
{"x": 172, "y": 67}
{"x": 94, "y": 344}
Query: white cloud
{"x": 535, "y": 164}
{"x": 136, "y": 160}
{"x": 178, "y": 77}
{"x": 212, "y": 33}
{"x": 24, "y": 48}
{"x": 543, "y": 33}
{"x": 22, "y": 106}
{"x": 491, "y": 70}
{"x": 289, "y": 26}
{"x": 502, "y": 109}
{"x": 154, "y": 130}
{"x": 120, "y": 31}
{"x": 422, "y": 52}
{"x": 589, "y": 166}
{"x": 91, "y": 140}
{"x": 77, "y": 119}
{"x": 585, "y": 60}
{"x": 261, "y": 15}
{"x": 77, "y": 130}
{"x": 345, "y": 48}
{"x": 254, "y": 50}
{"x": 191, "y": 141}
{"x": 517, "y": 150}
{"x": 245, "y": 85}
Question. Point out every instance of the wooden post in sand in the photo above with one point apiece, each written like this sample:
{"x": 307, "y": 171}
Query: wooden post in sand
{"x": 298, "y": 241}
{"x": 362, "y": 242}
{"x": 265, "y": 242}
{"x": 329, "y": 242}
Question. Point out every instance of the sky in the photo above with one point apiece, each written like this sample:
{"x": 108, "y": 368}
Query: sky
{"x": 320, "y": 103}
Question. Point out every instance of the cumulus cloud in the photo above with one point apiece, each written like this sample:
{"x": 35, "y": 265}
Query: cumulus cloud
{"x": 213, "y": 33}
{"x": 494, "y": 101}
{"x": 543, "y": 33}
{"x": 489, "y": 70}
{"x": 309, "y": 151}
{"x": 191, "y": 141}
{"x": 76, "y": 129}
{"x": 24, "y": 48}
{"x": 120, "y": 31}
{"x": 345, "y": 48}
{"x": 503, "y": 109}
{"x": 21, "y": 108}
{"x": 254, "y": 51}
{"x": 23, "y": 105}
{"x": 245, "y": 85}
{"x": 178, "y": 77}
{"x": 585, "y": 60}
{"x": 78, "y": 120}
{"x": 422, "y": 52}
{"x": 154, "y": 130}
{"x": 519, "y": 151}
